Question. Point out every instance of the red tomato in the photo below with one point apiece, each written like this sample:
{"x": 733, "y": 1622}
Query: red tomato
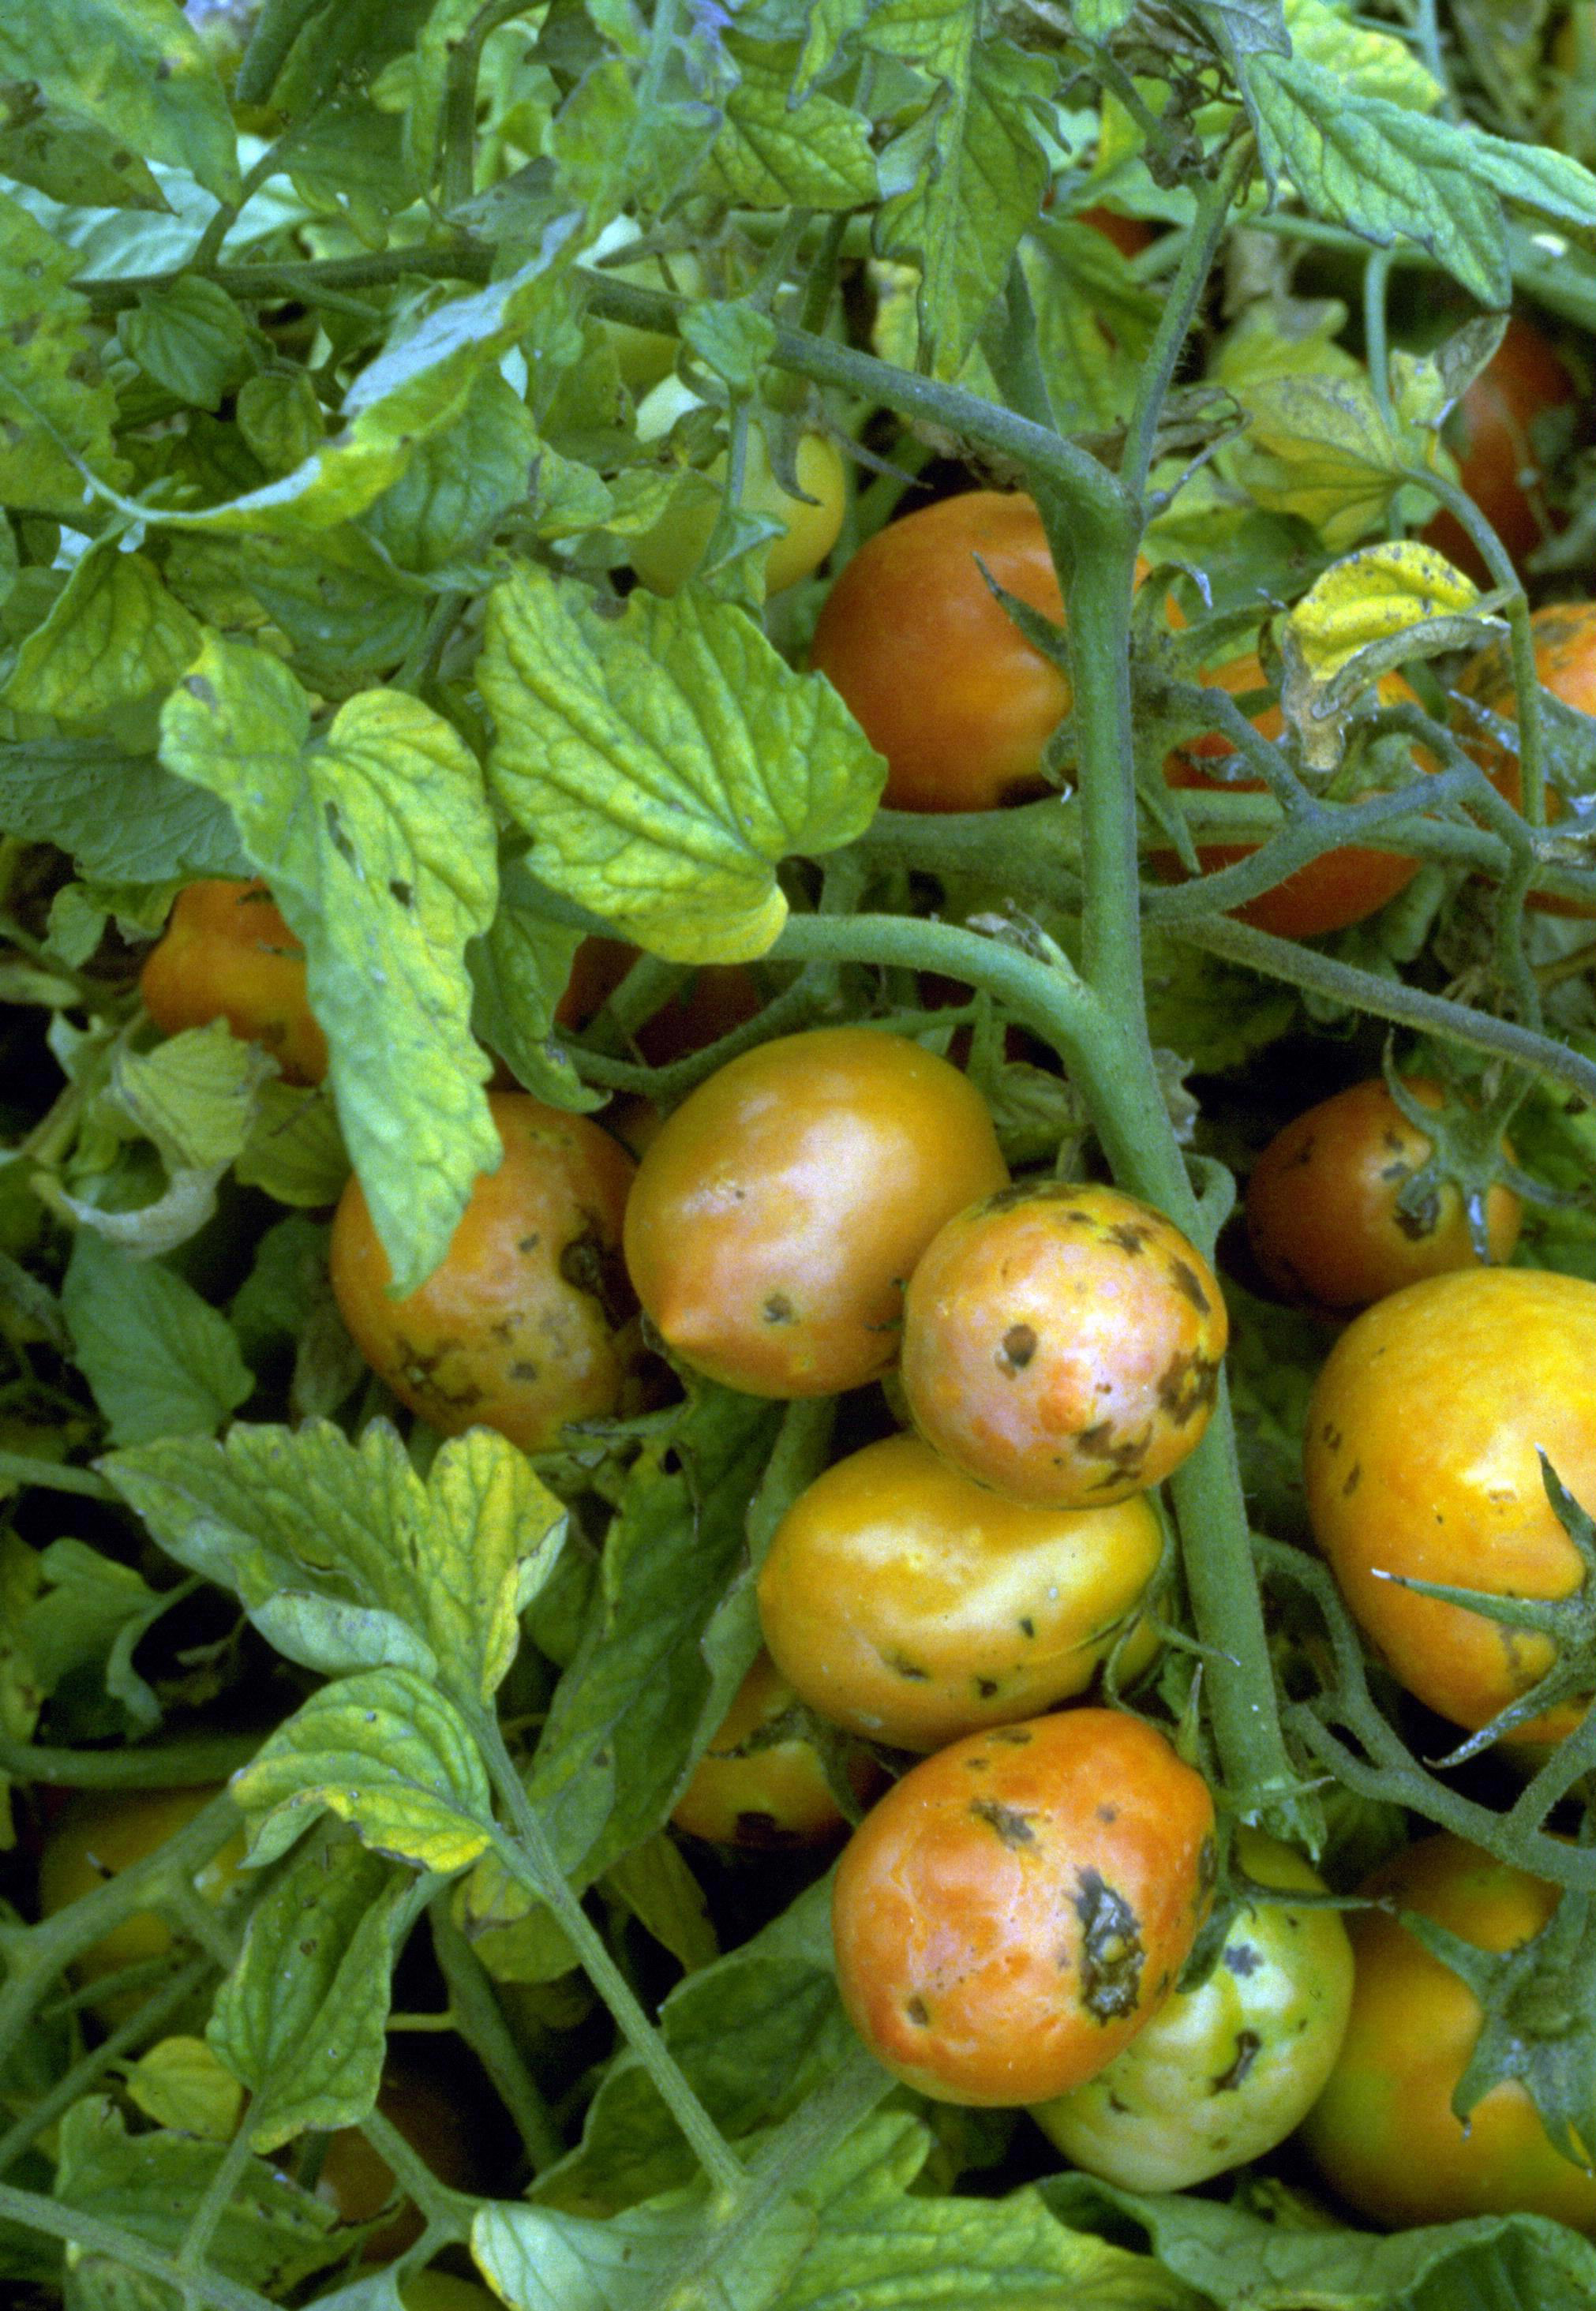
{"x": 1130, "y": 235}
{"x": 1322, "y": 1203}
{"x": 1018, "y": 1907}
{"x": 939, "y": 676}
{"x": 1420, "y": 1460}
{"x": 1340, "y": 887}
{"x": 227, "y": 954}
{"x": 912, "y": 1605}
{"x": 1061, "y": 1344}
{"x": 1564, "y": 664}
{"x": 778, "y": 1214}
{"x": 1383, "y": 2132}
{"x": 761, "y": 1782}
{"x": 528, "y": 1322}
{"x": 1491, "y": 434}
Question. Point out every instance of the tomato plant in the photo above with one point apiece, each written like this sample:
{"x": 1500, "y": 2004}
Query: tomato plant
{"x": 1061, "y": 1344}
{"x": 1015, "y": 1909}
{"x": 528, "y": 1323}
{"x": 1420, "y": 1465}
{"x": 667, "y": 555}
{"x": 1384, "y": 2133}
{"x": 762, "y": 1782}
{"x": 1227, "y": 2069}
{"x": 1565, "y": 654}
{"x": 905, "y": 1602}
{"x": 778, "y": 1215}
{"x": 1323, "y": 1214}
{"x": 1493, "y": 434}
{"x": 227, "y": 954}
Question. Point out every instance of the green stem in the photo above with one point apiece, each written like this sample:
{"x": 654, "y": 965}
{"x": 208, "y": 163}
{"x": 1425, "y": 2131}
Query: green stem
{"x": 444, "y": 2210}
{"x": 457, "y": 172}
{"x": 1376, "y": 358}
{"x": 531, "y": 1861}
{"x": 1215, "y": 199}
{"x": 477, "y": 2016}
{"x": 214, "y": 2203}
{"x": 88, "y": 2235}
{"x": 1389, "y": 999}
{"x": 166, "y": 1766}
{"x": 820, "y": 283}
{"x": 54, "y": 1477}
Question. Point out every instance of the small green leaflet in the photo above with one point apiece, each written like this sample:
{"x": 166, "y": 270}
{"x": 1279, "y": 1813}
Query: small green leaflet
{"x": 137, "y": 68}
{"x": 461, "y": 481}
{"x": 666, "y": 761}
{"x": 270, "y": 2234}
{"x": 91, "y": 1612}
{"x": 68, "y": 156}
{"x": 160, "y": 1360}
{"x": 774, "y": 154}
{"x": 964, "y": 181}
{"x": 49, "y": 378}
{"x": 543, "y": 2262}
{"x": 380, "y": 850}
{"x": 520, "y": 969}
{"x": 344, "y": 1558}
{"x": 120, "y": 817}
{"x": 180, "y": 2084}
{"x": 385, "y": 1753}
{"x": 194, "y": 1095}
{"x": 189, "y": 337}
{"x": 303, "y": 2018}
{"x": 114, "y": 636}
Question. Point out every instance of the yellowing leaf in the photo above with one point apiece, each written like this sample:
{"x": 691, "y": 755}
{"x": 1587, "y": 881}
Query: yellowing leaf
{"x": 1370, "y": 596}
{"x": 179, "y": 2083}
{"x": 115, "y": 636}
{"x": 666, "y": 761}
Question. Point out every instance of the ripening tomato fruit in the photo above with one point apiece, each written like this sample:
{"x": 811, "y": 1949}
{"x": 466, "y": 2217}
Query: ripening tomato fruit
{"x": 441, "y": 2290}
{"x": 1322, "y": 1203}
{"x": 1420, "y": 1462}
{"x": 1061, "y": 1344}
{"x": 936, "y": 671}
{"x": 1383, "y": 2133}
{"x": 96, "y": 1837}
{"x": 1224, "y": 2071}
{"x": 713, "y": 1000}
{"x": 1331, "y": 892}
{"x": 1018, "y": 1907}
{"x": 1564, "y": 636}
{"x": 761, "y": 1782}
{"x": 1491, "y": 432}
{"x": 778, "y": 1214}
{"x": 357, "y": 2181}
{"x": 529, "y": 1321}
{"x": 1130, "y": 234}
{"x": 667, "y": 555}
{"x": 910, "y": 1605}
{"x": 227, "y": 954}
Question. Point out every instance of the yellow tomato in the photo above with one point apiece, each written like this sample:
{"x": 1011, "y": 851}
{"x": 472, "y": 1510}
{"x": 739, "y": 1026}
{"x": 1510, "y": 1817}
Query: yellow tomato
{"x": 667, "y": 555}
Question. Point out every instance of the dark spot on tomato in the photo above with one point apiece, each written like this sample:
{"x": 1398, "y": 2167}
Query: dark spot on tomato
{"x": 1351, "y": 1485}
{"x": 1243, "y": 1959}
{"x": 1124, "y": 1454}
{"x": 1003, "y": 1199}
{"x": 918, "y": 2013}
{"x": 1019, "y": 1346}
{"x": 1013, "y": 1737}
{"x": 977, "y": 1765}
{"x": 528, "y": 1244}
{"x": 1188, "y": 1386}
{"x": 1027, "y": 1625}
{"x": 1189, "y": 1282}
{"x": 779, "y": 1310}
{"x": 1116, "y": 2103}
{"x": 1421, "y": 1222}
{"x": 1129, "y": 1235}
{"x": 1013, "y": 1826}
{"x": 590, "y": 1264}
{"x": 1248, "y": 2044}
{"x": 1331, "y": 1436}
{"x": 523, "y": 1371}
{"x": 1112, "y": 1953}
{"x": 1107, "y": 1813}
{"x": 901, "y": 1665}
{"x": 985, "y": 1688}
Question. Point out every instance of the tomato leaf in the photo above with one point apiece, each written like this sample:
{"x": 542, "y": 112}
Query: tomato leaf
{"x": 119, "y": 815}
{"x": 772, "y": 153}
{"x": 54, "y": 408}
{"x": 160, "y": 1361}
{"x": 194, "y": 1095}
{"x": 385, "y": 1752}
{"x": 344, "y": 1558}
{"x": 303, "y": 2018}
{"x": 191, "y": 338}
{"x": 665, "y": 761}
{"x": 543, "y": 2262}
{"x": 180, "y": 2084}
{"x": 135, "y": 67}
{"x": 380, "y": 847}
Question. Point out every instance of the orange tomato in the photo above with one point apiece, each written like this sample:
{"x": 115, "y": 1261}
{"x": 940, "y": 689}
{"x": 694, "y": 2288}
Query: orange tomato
{"x": 1564, "y": 664}
{"x": 227, "y": 954}
{"x": 1490, "y": 432}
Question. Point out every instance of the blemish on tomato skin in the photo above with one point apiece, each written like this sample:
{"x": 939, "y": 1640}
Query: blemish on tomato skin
{"x": 1354, "y": 1479}
{"x": 1013, "y": 1827}
{"x": 918, "y": 2013}
{"x": 1190, "y": 1284}
{"x": 1111, "y": 1952}
{"x": 1248, "y": 2046}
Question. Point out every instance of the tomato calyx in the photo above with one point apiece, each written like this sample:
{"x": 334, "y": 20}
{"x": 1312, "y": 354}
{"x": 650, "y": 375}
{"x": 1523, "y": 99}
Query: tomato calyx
{"x": 1467, "y": 1151}
{"x": 1538, "y": 2019}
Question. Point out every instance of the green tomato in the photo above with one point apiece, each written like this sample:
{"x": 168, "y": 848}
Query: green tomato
{"x": 666, "y": 556}
{"x": 1225, "y": 2071}
{"x": 440, "y": 2290}
{"x": 644, "y": 356}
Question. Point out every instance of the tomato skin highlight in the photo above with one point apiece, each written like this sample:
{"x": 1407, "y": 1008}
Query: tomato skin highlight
{"x": 779, "y": 1212}
{"x": 936, "y": 671}
{"x": 1331, "y": 893}
{"x": 1322, "y": 1203}
{"x": 910, "y": 1606}
{"x": 761, "y": 1783}
{"x": 1383, "y": 2133}
{"x": 1063, "y": 1343}
{"x": 1420, "y": 1460}
{"x": 227, "y": 954}
{"x": 528, "y": 1322}
{"x": 1017, "y": 1907}
{"x": 96, "y": 1835}
{"x": 1225, "y": 2071}
{"x": 1489, "y": 434}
